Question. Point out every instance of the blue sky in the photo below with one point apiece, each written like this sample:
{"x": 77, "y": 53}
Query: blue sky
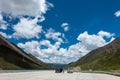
{"x": 84, "y": 15}
{"x": 60, "y": 31}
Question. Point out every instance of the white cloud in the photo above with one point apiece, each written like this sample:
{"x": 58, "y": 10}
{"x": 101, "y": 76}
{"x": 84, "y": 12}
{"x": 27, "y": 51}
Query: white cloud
{"x": 35, "y": 48}
{"x": 24, "y": 7}
{"x": 95, "y": 40}
{"x": 27, "y": 28}
{"x": 65, "y": 26}
{"x": 3, "y": 24}
{"x": 54, "y": 35}
{"x": 111, "y": 39}
{"x": 1, "y": 17}
{"x": 53, "y": 53}
{"x": 77, "y": 50}
{"x": 117, "y": 13}
{"x": 105, "y": 34}
{"x": 41, "y": 19}
{"x": 5, "y": 35}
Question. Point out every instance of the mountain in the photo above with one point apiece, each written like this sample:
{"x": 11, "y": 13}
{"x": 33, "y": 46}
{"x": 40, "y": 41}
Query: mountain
{"x": 12, "y": 57}
{"x": 56, "y": 65}
{"x": 103, "y": 58}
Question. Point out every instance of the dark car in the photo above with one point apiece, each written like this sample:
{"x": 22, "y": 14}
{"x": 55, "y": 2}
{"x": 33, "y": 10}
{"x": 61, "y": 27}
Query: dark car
{"x": 59, "y": 70}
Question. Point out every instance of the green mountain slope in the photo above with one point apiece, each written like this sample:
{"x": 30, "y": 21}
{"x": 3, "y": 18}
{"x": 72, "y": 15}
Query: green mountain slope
{"x": 104, "y": 58}
{"x": 12, "y": 57}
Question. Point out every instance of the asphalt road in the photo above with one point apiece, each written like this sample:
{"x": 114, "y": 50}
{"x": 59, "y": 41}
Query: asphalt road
{"x": 51, "y": 75}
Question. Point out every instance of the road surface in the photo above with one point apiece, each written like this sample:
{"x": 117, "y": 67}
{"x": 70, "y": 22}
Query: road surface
{"x": 51, "y": 75}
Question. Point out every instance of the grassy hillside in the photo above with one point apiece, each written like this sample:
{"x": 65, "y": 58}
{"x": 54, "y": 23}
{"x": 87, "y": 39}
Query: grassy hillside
{"x": 12, "y": 57}
{"x": 104, "y": 58}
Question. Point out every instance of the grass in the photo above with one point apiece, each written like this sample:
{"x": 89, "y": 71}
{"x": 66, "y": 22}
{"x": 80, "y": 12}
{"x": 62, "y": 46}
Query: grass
{"x": 101, "y": 62}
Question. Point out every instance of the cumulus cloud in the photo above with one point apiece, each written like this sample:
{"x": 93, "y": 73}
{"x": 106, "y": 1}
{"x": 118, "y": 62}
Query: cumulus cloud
{"x": 54, "y": 53}
{"x": 65, "y": 26}
{"x": 105, "y": 34}
{"x": 24, "y": 7}
{"x": 5, "y": 35}
{"x": 3, "y": 24}
{"x": 33, "y": 48}
{"x": 95, "y": 40}
{"x": 51, "y": 34}
{"x": 36, "y": 49}
{"x": 27, "y": 28}
{"x": 117, "y": 13}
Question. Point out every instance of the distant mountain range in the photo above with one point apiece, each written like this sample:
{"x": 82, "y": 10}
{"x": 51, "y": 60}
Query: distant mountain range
{"x": 12, "y": 57}
{"x": 57, "y": 65}
{"x": 103, "y": 58}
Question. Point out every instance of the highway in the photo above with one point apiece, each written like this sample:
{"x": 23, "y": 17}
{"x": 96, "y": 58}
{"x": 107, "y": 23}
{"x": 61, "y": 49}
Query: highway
{"x": 51, "y": 75}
